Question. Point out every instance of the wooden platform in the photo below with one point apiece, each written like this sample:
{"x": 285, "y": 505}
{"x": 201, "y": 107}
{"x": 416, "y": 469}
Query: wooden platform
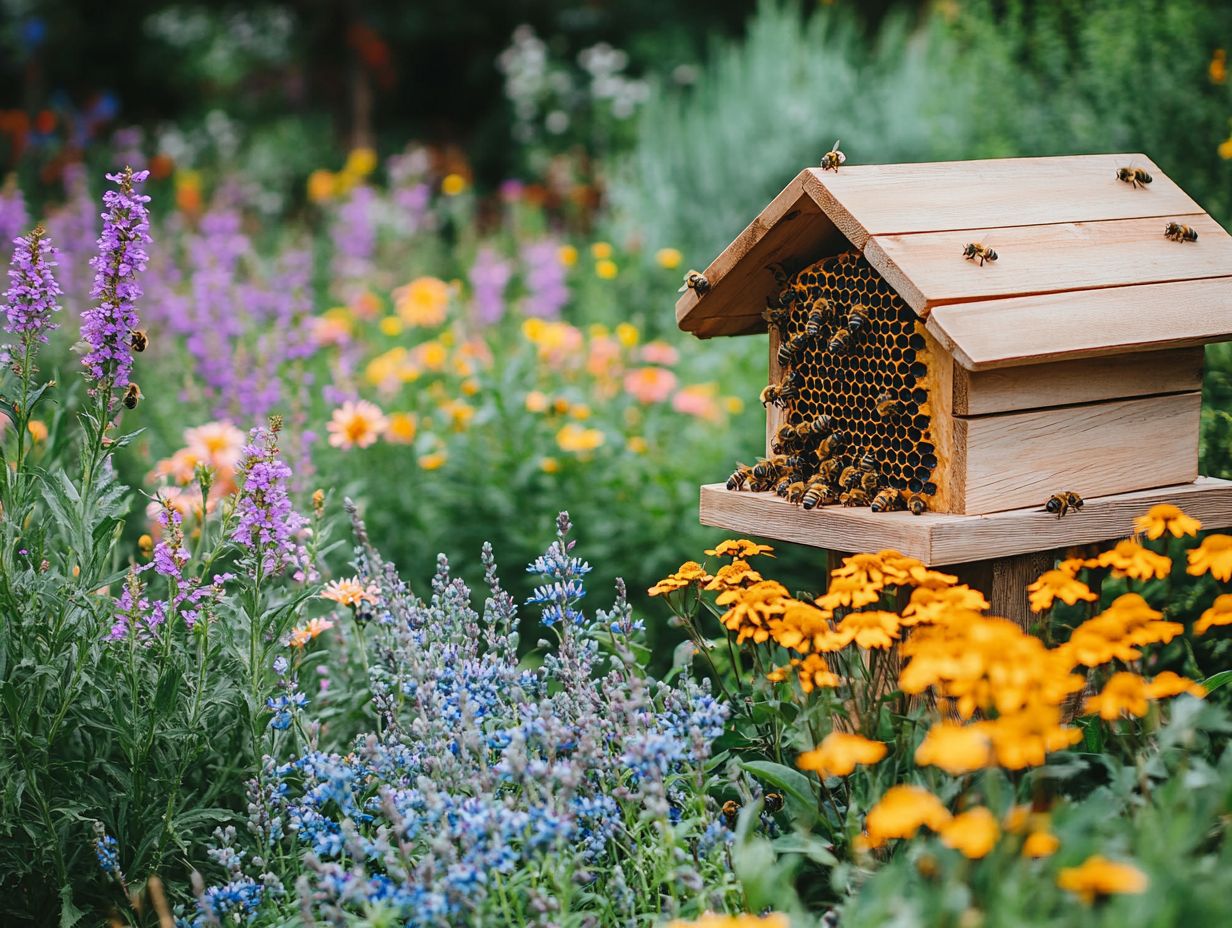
{"x": 949, "y": 539}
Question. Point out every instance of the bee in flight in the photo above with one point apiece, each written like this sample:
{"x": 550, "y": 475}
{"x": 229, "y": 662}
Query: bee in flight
{"x": 917, "y": 503}
{"x": 854, "y": 497}
{"x": 887, "y": 406}
{"x": 818, "y": 493}
{"x": 833, "y": 158}
{"x": 740, "y": 477}
{"x": 888, "y": 501}
{"x": 139, "y": 340}
{"x": 131, "y": 396}
{"x": 1135, "y": 177}
{"x": 976, "y": 251}
{"x": 1063, "y": 502}
{"x": 1179, "y": 233}
{"x": 695, "y": 280}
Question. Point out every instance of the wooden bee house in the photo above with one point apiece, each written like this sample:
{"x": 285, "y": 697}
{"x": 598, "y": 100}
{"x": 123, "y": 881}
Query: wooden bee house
{"x": 1073, "y": 361}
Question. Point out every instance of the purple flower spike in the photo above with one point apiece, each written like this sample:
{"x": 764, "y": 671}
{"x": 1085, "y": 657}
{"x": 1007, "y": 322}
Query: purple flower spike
{"x": 31, "y": 297}
{"x": 267, "y": 523}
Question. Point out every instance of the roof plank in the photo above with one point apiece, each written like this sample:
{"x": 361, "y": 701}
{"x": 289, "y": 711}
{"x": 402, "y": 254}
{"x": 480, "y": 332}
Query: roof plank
{"x": 992, "y": 334}
{"x": 928, "y": 268}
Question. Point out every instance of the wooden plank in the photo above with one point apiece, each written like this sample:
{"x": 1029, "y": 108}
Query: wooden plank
{"x": 938, "y": 539}
{"x": 1021, "y": 458}
{"x": 774, "y": 414}
{"x": 1084, "y": 380}
{"x": 1004, "y": 581}
{"x": 889, "y": 199}
{"x": 1053, "y": 327}
{"x": 928, "y": 269}
{"x": 939, "y": 382}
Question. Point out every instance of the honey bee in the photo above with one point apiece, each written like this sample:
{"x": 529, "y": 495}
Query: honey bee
{"x": 831, "y": 445}
{"x": 850, "y": 477}
{"x": 857, "y": 319}
{"x": 978, "y": 252}
{"x": 780, "y": 488}
{"x": 828, "y": 470}
{"x": 740, "y": 477}
{"x": 779, "y": 394}
{"x": 841, "y": 342}
{"x": 785, "y": 439}
{"x": 917, "y": 503}
{"x": 769, "y": 468}
{"x": 818, "y": 493}
{"x": 1063, "y": 502}
{"x": 870, "y": 481}
{"x": 139, "y": 340}
{"x": 888, "y": 501}
{"x": 854, "y": 497}
{"x": 1135, "y": 177}
{"x": 795, "y": 492}
{"x": 777, "y": 317}
{"x": 833, "y": 158}
{"x": 790, "y": 350}
{"x": 730, "y": 812}
{"x": 694, "y": 280}
{"x": 887, "y": 406}
{"x": 772, "y": 802}
{"x": 868, "y": 461}
{"x": 131, "y": 396}
{"x": 817, "y": 427}
{"x": 812, "y": 325}
{"x": 1179, "y": 233}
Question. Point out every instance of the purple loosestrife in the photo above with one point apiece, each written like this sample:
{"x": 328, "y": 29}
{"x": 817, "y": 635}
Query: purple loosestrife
{"x": 543, "y": 275}
{"x": 267, "y": 523}
{"x": 489, "y": 276}
{"x": 31, "y": 297}
{"x": 108, "y": 326}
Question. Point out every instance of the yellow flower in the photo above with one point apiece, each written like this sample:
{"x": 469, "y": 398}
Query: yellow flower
{"x": 422, "y": 302}
{"x": 349, "y": 592}
{"x": 751, "y": 609}
{"x": 579, "y": 411}
{"x": 145, "y": 544}
{"x": 549, "y": 465}
{"x": 1172, "y": 684}
{"x": 739, "y": 548}
{"x": 356, "y": 424}
{"x": 803, "y": 627}
{"x": 1071, "y": 565}
{"x": 1225, "y": 149}
{"x": 637, "y": 444}
{"x": 1040, "y": 844}
{"x": 903, "y": 811}
{"x": 815, "y": 673}
{"x": 536, "y": 401}
{"x": 578, "y": 440}
{"x": 1058, "y": 584}
{"x": 848, "y": 591}
{"x": 734, "y": 575}
{"x": 1166, "y": 518}
{"x": 567, "y": 255}
{"x": 627, "y": 334}
{"x": 601, "y": 251}
{"x": 391, "y": 326}
{"x": 1130, "y": 559}
{"x": 869, "y": 629}
{"x": 322, "y": 185}
{"x": 37, "y": 429}
{"x": 669, "y": 258}
{"x": 973, "y": 833}
{"x": 1220, "y": 613}
{"x": 711, "y": 920}
{"x": 360, "y": 162}
{"x": 1123, "y": 693}
{"x": 453, "y": 184}
{"x": 433, "y": 461}
{"x": 606, "y": 269}
{"x": 734, "y": 405}
{"x": 1098, "y": 877}
{"x": 839, "y": 753}
{"x": 930, "y": 605}
{"x": 1024, "y": 739}
{"x": 402, "y": 428}
{"x": 956, "y": 749}
{"x": 689, "y": 572}
{"x": 1215, "y": 555}
{"x": 432, "y": 355}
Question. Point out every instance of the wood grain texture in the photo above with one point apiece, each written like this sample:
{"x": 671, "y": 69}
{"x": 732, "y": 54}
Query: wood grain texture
{"x": 774, "y": 414}
{"x": 938, "y": 539}
{"x": 992, "y": 334}
{"x": 1004, "y": 581}
{"x": 939, "y": 382}
{"x": 890, "y": 199}
{"x": 1021, "y": 458}
{"x": 1083, "y": 380}
{"x": 928, "y": 269}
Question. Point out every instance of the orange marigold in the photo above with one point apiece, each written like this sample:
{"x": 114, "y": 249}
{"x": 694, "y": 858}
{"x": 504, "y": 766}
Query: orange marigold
{"x": 1166, "y": 518}
{"x": 1220, "y": 613}
{"x": 956, "y": 749}
{"x": 1098, "y": 877}
{"x": 902, "y": 812}
{"x": 733, "y": 576}
{"x": 840, "y": 753}
{"x": 739, "y": 547}
{"x": 1214, "y": 555}
{"x": 1130, "y": 559}
{"x": 1058, "y": 584}
{"x": 868, "y": 629}
{"x": 973, "y": 833}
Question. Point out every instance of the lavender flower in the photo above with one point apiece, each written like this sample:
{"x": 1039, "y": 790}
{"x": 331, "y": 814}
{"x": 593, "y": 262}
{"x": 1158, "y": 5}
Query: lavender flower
{"x": 108, "y": 325}
{"x": 31, "y": 297}
{"x": 489, "y": 276}
{"x": 106, "y": 849}
{"x": 14, "y": 219}
{"x": 564, "y": 574}
{"x": 267, "y": 521}
{"x": 355, "y": 235}
{"x": 543, "y": 274}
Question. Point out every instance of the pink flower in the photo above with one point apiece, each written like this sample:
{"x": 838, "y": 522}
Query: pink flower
{"x": 603, "y": 357}
{"x": 650, "y": 384}
{"x": 659, "y": 353}
{"x": 698, "y": 400}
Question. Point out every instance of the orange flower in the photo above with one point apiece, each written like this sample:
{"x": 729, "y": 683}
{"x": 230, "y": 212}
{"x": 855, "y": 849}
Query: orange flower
{"x": 650, "y": 384}
{"x": 901, "y": 812}
{"x": 1058, "y": 584}
{"x": 868, "y": 629}
{"x": 752, "y": 609}
{"x": 1220, "y": 613}
{"x": 1130, "y": 559}
{"x": 801, "y": 626}
{"x": 739, "y": 547}
{"x": 350, "y": 592}
{"x": 848, "y": 591}
{"x": 956, "y": 749}
{"x": 1166, "y": 518}
{"x": 814, "y": 673}
{"x": 1098, "y": 877}
{"x": 1215, "y": 555}
{"x": 690, "y": 572}
{"x": 305, "y": 633}
{"x": 1024, "y": 739}
{"x": 839, "y": 753}
{"x": 973, "y": 833}
{"x": 711, "y": 920}
{"x": 356, "y": 424}
{"x": 422, "y": 302}
{"x": 1040, "y": 844}
{"x": 734, "y": 575}
{"x": 1123, "y": 693}
{"x": 1171, "y": 684}
{"x": 930, "y": 605}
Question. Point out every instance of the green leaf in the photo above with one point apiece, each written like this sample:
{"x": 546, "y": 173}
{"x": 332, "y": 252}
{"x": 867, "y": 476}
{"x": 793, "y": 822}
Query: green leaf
{"x": 69, "y": 913}
{"x": 807, "y": 845}
{"x": 1216, "y": 680}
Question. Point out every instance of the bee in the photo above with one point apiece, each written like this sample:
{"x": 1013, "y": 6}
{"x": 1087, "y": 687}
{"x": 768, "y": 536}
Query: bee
{"x": 730, "y": 812}
{"x": 1063, "y": 502}
{"x": 850, "y": 477}
{"x": 131, "y": 396}
{"x": 857, "y": 319}
{"x": 1179, "y": 233}
{"x": 694, "y": 280}
{"x": 139, "y": 340}
{"x": 818, "y": 493}
{"x": 887, "y": 406}
{"x": 779, "y": 394}
{"x": 870, "y": 481}
{"x": 828, "y": 470}
{"x": 769, "y": 469}
{"x": 831, "y": 445}
{"x": 790, "y": 350}
{"x": 978, "y": 252}
{"x": 841, "y": 342}
{"x": 740, "y": 477}
{"x": 917, "y": 504}
{"x": 777, "y": 317}
{"x": 787, "y": 297}
{"x": 786, "y": 439}
{"x": 833, "y": 158}
{"x": 780, "y": 488}
{"x": 888, "y": 501}
{"x": 816, "y": 317}
{"x": 1135, "y": 177}
{"x": 854, "y": 497}
{"x": 817, "y": 427}
{"x": 772, "y": 802}
{"x": 795, "y": 492}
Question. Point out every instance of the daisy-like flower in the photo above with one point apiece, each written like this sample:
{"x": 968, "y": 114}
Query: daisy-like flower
{"x": 356, "y": 424}
{"x": 579, "y": 440}
{"x": 1173, "y": 684}
{"x": 733, "y": 576}
{"x": 848, "y": 591}
{"x": 752, "y": 609}
{"x": 739, "y": 548}
{"x": 1130, "y": 559}
{"x": 1025, "y": 739}
{"x": 1058, "y": 584}
{"x": 422, "y": 302}
{"x": 1166, "y": 518}
{"x": 813, "y": 673}
{"x": 690, "y": 572}
{"x": 1098, "y": 877}
{"x": 973, "y": 833}
{"x": 1220, "y": 613}
{"x": 711, "y": 920}
{"x": 930, "y": 605}
{"x": 956, "y": 749}
{"x": 301, "y": 635}
{"x": 839, "y": 753}
{"x": 869, "y": 629}
{"x": 219, "y": 444}
{"x": 1123, "y": 693}
{"x": 902, "y": 812}
{"x": 349, "y": 592}
{"x": 650, "y": 384}
{"x": 1214, "y": 555}
{"x": 804, "y": 628}
{"x": 1071, "y": 565}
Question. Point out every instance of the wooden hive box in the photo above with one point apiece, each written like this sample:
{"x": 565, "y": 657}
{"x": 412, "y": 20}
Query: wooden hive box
{"x": 1072, "y": 362}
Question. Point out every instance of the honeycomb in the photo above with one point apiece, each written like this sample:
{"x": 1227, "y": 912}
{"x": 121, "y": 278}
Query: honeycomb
{"x": 872, "y": 384}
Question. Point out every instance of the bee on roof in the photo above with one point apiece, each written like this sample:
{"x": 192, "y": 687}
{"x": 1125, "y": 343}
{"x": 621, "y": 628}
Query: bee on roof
{"x": 694, "y": 280}
{"x": 1179, "y": 233}
{"x": 1135, "y": 177}
{"x": 833, "y": 158}
{"x": 975, "y": 251}
{"x": 1063, "y": 502}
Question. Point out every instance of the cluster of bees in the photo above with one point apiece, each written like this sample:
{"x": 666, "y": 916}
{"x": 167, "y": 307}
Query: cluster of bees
{"x": 854, "y": 422}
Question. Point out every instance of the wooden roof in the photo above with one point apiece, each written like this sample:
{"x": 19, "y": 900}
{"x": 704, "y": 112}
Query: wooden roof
{"x": 1083, "y": 268}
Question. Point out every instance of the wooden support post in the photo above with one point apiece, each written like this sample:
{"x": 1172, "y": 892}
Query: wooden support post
{"x": 1004, "y": 581}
